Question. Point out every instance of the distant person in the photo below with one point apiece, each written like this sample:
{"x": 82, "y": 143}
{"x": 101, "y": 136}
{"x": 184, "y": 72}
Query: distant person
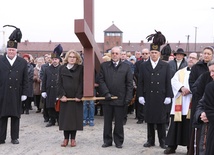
{"x": 145, "y": 54}
{"x": 48, "y": 61}
{"x": 26, "y": 105}
{"x": 179, "y": 61}
{"x": 124, "y": 59}
{"x": 49, "y": 85}
{"x": 171, "y": 57}
{"x": 70, "y": 85}
{"x": 139, "y": 107}
{"x": 13, "y": 88}
{"x": 37, "y": 83}
{"x": 138, "y": 55}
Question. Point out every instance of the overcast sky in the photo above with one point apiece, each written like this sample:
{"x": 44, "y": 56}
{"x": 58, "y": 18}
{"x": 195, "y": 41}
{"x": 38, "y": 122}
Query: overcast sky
{"x": 45, "y": 20}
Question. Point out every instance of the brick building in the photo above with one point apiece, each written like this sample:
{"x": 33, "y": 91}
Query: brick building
{"x": 113, "y": 36}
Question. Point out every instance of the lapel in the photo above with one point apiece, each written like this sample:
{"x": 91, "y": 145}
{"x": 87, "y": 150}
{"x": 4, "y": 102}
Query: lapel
{"x": 16, "y": 63}
{"x": 148, "y": 65}
{"x": 158, "y": 66}
{"x": 7, "y": 64}
{"x": 67, "y": 72}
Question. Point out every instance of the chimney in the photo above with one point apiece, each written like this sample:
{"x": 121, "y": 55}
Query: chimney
{"x": 141, "y": 43}
{"x": 26, "y": 41}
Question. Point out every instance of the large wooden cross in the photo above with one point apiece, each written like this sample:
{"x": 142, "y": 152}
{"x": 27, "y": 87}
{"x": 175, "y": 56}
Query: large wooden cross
{"x": 84, "y": 30}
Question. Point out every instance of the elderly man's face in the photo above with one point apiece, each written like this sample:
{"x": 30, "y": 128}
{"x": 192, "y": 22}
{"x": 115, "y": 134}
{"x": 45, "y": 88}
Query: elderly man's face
{"x": 115, "y": 54}
{"x": 11, "y": 52}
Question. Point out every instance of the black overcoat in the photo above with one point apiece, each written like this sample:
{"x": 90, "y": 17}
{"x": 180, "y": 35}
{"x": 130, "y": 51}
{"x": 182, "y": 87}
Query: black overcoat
{"x": 209, "y": 110}
{"x": 154, "y": 85}
{"x": 116, "y": 81}
{"x": 49, "y": 85}
{"x": 13, "y": 84}
{"x": 30, "y": 80}
{"x": 70, "y": 84}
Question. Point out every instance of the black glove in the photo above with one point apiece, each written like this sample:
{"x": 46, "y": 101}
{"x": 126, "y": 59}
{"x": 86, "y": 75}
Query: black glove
{"x": 108, "y": 96}
{"x": 127, "y": 102}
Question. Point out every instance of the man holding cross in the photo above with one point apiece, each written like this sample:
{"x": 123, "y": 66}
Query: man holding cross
{"x": 115, "y": 79}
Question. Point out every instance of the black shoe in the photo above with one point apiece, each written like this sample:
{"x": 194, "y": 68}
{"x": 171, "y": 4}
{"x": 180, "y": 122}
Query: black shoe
{"x": 106, "y": 145}
{"x": 140, "y": 122}
{"x": 148, "y": 144}
{"x": 50, "y": 124}
{"x": 27, "y": 112}
{"x": 15, "y": 141}
{"x": 46, "y": 120}
{"x": 119, "y": 146}
{"x": 38, "y": 111}
{"x": 124, "y": 122}
{"x": 163, "y": 146}
{"x": 2, "y": 141}
{"x": 169, "y": 151}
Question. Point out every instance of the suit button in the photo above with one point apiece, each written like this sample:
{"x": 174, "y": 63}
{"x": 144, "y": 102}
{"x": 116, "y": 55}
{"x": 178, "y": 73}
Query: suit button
{"x": 151, "y": 91}
{"x": 157, "y": 91}
{"x": 10, "y": 87}
{"x": 157, "y": 82}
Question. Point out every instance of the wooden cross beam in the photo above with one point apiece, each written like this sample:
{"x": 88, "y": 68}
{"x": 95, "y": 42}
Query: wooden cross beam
{"x": 84, "y": 29}
{"x": 92, "y": 98}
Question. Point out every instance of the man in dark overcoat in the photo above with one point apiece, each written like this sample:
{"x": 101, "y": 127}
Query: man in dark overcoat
{"x": 26, "y": 105}
{"x": 48, "y": 60}
{"x": 49, "y": 87}
{"x": 13, "y": 90}
{"x": 155, "y": 92}
{"x": 198, "y": 69}
{"x": 138, "y": 106}
{"x": 209, "y": 111}
{"x": 115, "y": 80}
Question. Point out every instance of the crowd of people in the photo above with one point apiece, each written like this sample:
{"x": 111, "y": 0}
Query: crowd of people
{"x": 171, "y": 93}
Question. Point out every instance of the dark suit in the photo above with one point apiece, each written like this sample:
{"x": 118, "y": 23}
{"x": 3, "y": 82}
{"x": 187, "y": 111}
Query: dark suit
{"x": 13, "y": 84}
{"x": 118, "y": 82}
{"x": 155, "y": 85}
